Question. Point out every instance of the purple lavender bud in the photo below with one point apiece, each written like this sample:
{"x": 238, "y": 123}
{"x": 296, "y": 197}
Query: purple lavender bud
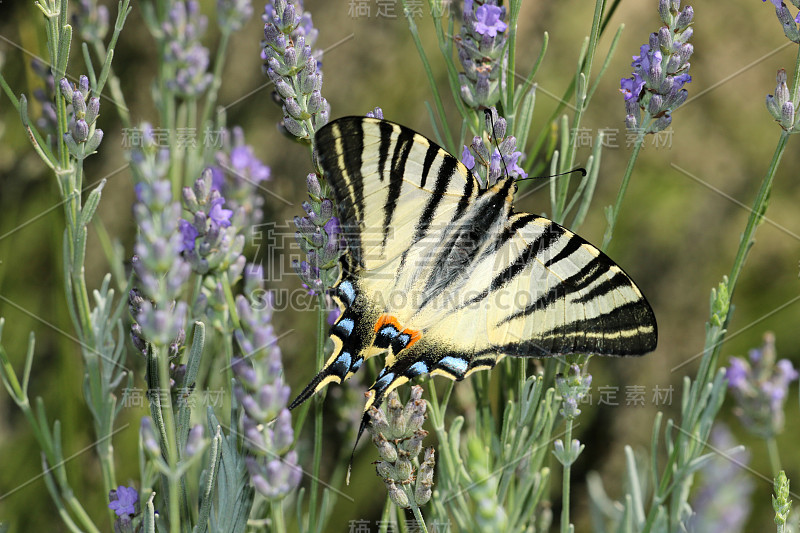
{"x": 787, "y": 115}
{"x": 66, "y": 89}
{"x": 93, "y": 109}
{"x": 314, "y": 189}
{"x": 80, "y": 130}
{"x": 83, "y": 86}
{"x": 283, "y": 434}
{"x": 376, "y": 113}
{"x": 78, "y": 105}
{"x": 685, "y": 18}
{"x": 293, "y": 127}
{"x": 664, "y": 11}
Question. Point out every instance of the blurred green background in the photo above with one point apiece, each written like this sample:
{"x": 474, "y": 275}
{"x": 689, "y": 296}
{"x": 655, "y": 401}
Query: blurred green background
{"x": 677, "y": 235}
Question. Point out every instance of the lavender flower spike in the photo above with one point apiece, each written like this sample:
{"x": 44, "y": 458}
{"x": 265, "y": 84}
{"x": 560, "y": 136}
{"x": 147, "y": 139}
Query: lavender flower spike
{"x": 481, "y": 50}
{"x": 160, "y": 270}
{"x": 263, "y": 394}
{"x": 185, "y": 57}
{"x": 320, "y": 236}
{"x": 660, "y": 71}
{"x": 294, "y": 68}
{"x": 760, "y": 387}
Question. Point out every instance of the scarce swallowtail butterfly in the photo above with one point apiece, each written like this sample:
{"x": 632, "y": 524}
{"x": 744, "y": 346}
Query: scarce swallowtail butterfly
{"x": 446, "y": 278}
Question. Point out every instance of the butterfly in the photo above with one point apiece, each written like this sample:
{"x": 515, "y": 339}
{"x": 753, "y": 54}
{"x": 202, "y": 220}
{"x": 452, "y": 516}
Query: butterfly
{"x": 446, "y": 278}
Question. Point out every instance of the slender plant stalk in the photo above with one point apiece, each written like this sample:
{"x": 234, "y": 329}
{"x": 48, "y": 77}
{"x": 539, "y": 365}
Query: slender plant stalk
{"x": 321, "y": 320}
{"x": 614, "y": 213}
{"x": 565, "y": 481}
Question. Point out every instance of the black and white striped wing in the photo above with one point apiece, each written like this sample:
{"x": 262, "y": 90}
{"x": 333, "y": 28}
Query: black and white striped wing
{"x": 446, "y": 279}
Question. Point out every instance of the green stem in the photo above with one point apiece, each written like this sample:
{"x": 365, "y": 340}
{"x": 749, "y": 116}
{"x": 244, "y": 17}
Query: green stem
{"x": 420, "y": 525}
{"x": 774, "y": 456}
{"x": 219, "y": 62}
{"x": 565, "y": 481}
{"x": 757, "y": 212}
{"x": 318, "y": 398}
{"x": 278, "y": 523}
{"x": 614, "y": 213}
{"x": 163, "y": 391}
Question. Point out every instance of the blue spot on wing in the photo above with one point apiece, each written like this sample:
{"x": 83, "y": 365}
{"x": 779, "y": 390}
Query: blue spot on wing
{"x": 342, "y": 363}
{"x": 348, "y": 291}
{"x": 416, "y": 369}
{"x": 356, "y": 365}
{"x": 384, "y": 381}
{"x": 454, "y": 365}
{"x": 346, "y": 324}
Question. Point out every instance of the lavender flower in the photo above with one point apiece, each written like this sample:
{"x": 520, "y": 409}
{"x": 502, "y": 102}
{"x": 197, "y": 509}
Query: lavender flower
{"x": 185, "y": 57}
{"x": 491, "y": 166}
{"x": 82, "y": 118}
{"x": 294, "y": 68}
{"x": 397, "y": 432}
{"x": 159, "y": 267}
{"x": 760, "y": 387}
{"x": 572, "y": 388}
{"x": 781, "y": 106}
{"x": 660, "y": 71}
{"x": 481, "y": 50}
{"x": 261, "y": 391}
{"x": 123, "y": 500}
{"x": 319, "y": 235}
{"x": 91, "y": 21}
{"x": 722, "y": 503}
{"x": 232, "y": 14}
{"x": 375, "y": 113}
{"x": 238, "y": 174}
{"x": 785, "y": 18}
{"x": 211, "y": 240}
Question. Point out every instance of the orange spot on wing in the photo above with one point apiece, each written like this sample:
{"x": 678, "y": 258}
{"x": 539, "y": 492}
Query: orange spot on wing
{"x": 385, "y": 319}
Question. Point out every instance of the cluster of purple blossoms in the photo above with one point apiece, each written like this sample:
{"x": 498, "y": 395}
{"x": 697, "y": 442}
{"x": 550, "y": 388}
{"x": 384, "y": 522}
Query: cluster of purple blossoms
{"x": 489, "y": 166}
{"x": 319, "y": 235}
{"x": 294, "y": 68}
{"x": 81, "y": 138}
{"x": 481, "y": 50}
{"x": 660, "y": 71}
{"x": 265, "y": 422}
{"x": 91, "y": 20}
{"x": 238, "y": 174}
{"x": 160, "y": 269}
{"x": 185, "y": 58}
{"x": 760, "y": 387}
{"x": 210, "y": 241}
{"x": 788, "y": 22}
{"x": 397, "y": 433}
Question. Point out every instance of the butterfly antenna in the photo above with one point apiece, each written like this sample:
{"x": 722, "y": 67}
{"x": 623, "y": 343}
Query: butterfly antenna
{"x": 579, "y": 169}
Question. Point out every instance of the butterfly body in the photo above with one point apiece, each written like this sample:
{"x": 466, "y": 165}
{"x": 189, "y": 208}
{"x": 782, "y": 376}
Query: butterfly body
{"x": 446, "y": 278}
